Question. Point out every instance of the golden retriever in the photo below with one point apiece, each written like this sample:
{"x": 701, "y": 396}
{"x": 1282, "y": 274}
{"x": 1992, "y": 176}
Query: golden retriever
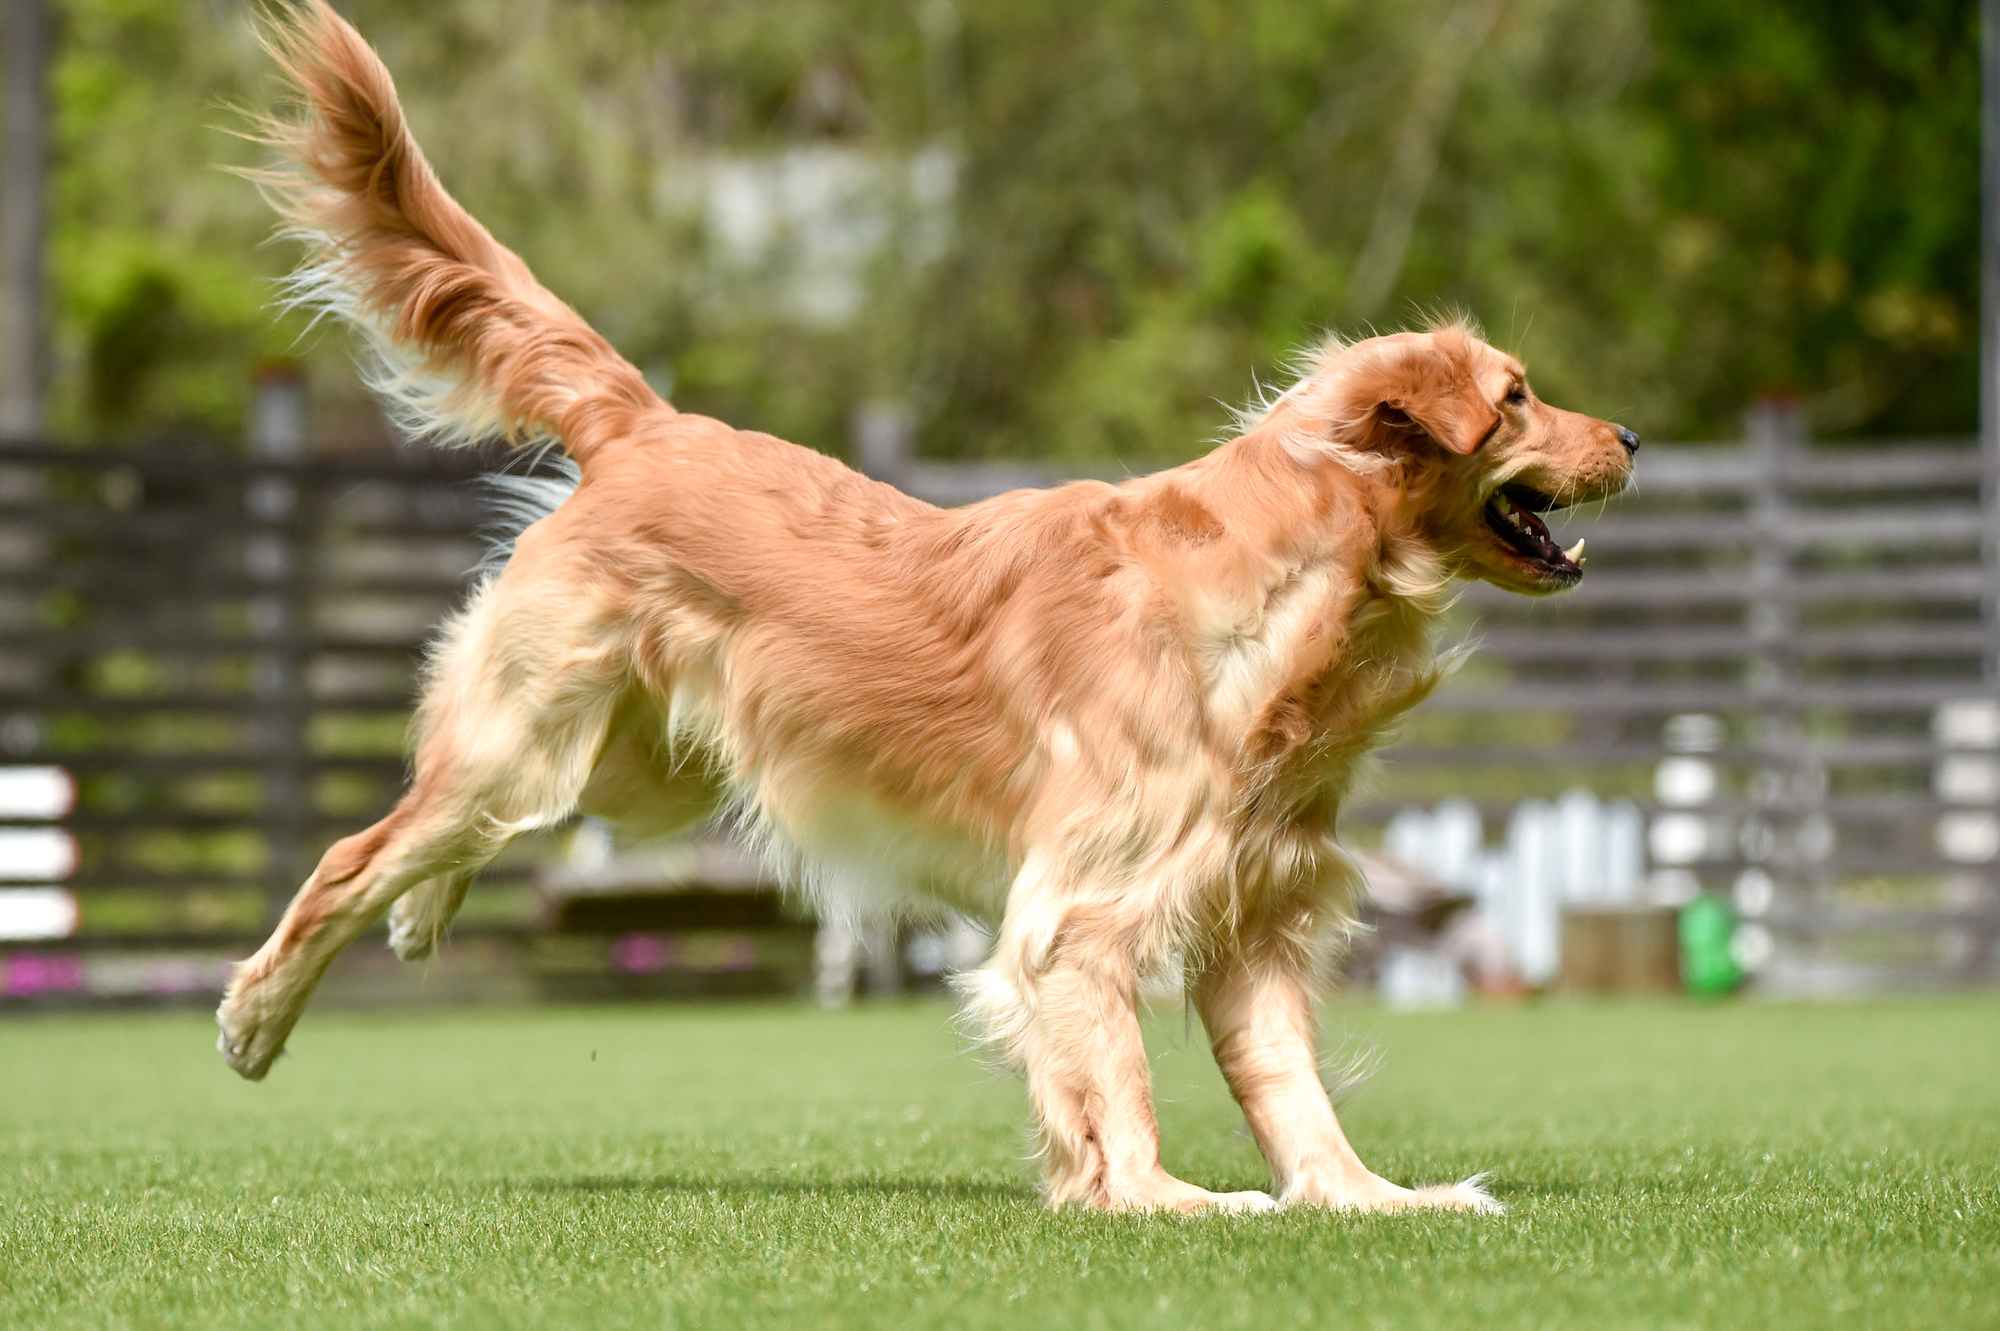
{"x": 1116, "y": 720}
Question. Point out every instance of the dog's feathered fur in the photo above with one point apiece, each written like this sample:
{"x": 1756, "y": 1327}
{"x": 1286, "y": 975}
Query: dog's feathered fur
{"x": 1117, "y": 720}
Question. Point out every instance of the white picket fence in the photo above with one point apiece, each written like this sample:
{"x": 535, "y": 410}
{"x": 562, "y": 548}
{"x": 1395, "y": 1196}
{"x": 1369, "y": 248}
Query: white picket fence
{"x": 1576, "y": 850}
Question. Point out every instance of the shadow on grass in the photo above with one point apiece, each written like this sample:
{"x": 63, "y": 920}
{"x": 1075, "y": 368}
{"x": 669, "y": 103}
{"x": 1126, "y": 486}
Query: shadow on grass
{"x": 950, "y": 1189}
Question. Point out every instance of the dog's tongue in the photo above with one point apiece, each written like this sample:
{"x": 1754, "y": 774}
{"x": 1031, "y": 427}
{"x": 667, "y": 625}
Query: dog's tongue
{"x": 1525, "y": 519}
{"x": 1530, "y": 524}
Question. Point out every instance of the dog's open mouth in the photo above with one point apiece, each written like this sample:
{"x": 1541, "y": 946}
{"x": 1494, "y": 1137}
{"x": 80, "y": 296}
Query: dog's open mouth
{"x": 1512, "y": 514}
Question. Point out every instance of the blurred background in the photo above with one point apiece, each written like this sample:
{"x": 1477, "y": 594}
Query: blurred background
{"x": 970, "y": 245}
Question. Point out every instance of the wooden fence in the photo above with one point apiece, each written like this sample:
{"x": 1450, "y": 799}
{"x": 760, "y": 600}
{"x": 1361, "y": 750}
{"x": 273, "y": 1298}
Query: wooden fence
{"x": 219, "y": 651}
{"x": 1783, "y": 653}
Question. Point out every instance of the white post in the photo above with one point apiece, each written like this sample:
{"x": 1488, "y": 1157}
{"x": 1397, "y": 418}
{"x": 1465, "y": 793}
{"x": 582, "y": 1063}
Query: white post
{"x": 1535, "y": 929}
{"x": 1580, "y": 848}
{"x": 1457, "y": 836}
{"x": 1624, "y": 851}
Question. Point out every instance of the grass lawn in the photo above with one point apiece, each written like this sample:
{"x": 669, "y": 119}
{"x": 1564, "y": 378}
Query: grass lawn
{"x": 1726, "y": 1166}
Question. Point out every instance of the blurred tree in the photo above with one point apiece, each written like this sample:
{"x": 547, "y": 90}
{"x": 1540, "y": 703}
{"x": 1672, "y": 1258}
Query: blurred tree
{"x": 1818, "y": 222}
{"x": 1076, "y": 230}
{"x": 155, "y": 256}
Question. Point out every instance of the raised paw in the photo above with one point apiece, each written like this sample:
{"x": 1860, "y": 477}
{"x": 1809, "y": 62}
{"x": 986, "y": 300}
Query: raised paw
{"x": 420, "y": 917}
{"x": 253, "y": 1029}
{"x": 411, "y": 937}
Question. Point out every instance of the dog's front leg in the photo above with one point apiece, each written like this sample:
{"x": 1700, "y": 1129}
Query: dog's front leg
{"x": 1090, "y": 1083}
{"x": 1257, "y": 1002}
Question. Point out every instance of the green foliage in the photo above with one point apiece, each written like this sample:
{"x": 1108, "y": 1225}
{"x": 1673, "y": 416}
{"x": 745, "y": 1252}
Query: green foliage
{"x": 1819, "y": 196}
{"x": 159, "y": 273}
{"x": 1668, "y": 1165}
{"x": 1668, "y": 208}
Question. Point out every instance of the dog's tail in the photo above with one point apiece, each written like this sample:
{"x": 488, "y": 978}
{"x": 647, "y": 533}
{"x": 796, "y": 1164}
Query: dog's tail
{"x": 470, "y": 345}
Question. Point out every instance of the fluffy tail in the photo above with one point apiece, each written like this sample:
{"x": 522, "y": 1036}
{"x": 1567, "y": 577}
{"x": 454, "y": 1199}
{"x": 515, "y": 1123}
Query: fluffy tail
{"x": 470, "y": 345}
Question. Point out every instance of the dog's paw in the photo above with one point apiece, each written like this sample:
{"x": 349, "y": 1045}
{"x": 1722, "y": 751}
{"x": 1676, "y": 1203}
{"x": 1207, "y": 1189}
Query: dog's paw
{"x": 251, "y": 1038}
{"x": 1166, "y": 1193}
{"x": 410, "y": 937}
{"x": 1471, "y": 1195}
{"x": 1377, "y": 1195}
{"x": 1239, "y": 1203}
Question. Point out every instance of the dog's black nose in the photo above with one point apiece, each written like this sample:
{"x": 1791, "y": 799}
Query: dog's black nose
{"x": 1627, "y": 438}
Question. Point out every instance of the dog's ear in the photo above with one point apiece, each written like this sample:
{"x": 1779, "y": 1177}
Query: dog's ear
{"x": 1419, "y": 385}
{"x": 1457, "y": 428}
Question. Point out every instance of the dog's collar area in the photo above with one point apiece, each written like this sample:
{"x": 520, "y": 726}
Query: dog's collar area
{"x": 1513, "y": 512}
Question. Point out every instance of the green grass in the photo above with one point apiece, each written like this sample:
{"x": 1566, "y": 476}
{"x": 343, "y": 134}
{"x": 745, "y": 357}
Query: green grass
{"x": 1728, "y": 1166}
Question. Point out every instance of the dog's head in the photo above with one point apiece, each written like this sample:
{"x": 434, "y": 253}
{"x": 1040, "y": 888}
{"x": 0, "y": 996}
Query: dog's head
{"x": 1476, "y": 456}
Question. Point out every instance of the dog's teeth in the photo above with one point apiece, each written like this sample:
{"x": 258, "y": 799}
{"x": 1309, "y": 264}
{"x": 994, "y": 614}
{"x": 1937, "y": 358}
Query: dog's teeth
{"x": 1575, "y": 553}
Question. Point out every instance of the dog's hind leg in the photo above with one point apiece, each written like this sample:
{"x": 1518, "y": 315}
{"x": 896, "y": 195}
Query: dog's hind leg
{"x": 433, "y": 831}
{"x": 632, "y": 784}
{"x": 512, "y": 721}
{"x": 1257, "y": 1002}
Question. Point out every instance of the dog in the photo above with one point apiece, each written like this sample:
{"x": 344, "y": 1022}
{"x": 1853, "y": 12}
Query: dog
{"x": 1118, "y": 721}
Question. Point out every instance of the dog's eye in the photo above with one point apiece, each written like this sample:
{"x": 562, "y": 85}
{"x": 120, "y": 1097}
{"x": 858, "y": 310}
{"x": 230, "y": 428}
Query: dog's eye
{"x": 1517, "y": 395}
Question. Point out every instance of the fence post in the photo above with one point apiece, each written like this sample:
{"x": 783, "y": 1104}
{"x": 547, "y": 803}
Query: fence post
{"x": 1788, "y": 830}
{"x": 22, "y": 187}
{"x": 1989, "y": 325}
{"x": 882, "y": 432}
{"x": 275, "y": 553}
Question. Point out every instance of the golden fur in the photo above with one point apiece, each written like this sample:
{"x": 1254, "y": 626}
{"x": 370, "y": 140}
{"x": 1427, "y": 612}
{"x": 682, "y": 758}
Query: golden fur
{"x": 1118, "y": 721}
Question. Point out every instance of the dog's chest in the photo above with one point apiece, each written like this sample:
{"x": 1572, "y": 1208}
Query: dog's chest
{"x": 1392, "y": 649}
{"x": 1316, "y": 729}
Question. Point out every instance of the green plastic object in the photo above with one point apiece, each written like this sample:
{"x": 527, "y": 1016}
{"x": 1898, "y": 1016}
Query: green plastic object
{"x": 1708, "y": 968}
